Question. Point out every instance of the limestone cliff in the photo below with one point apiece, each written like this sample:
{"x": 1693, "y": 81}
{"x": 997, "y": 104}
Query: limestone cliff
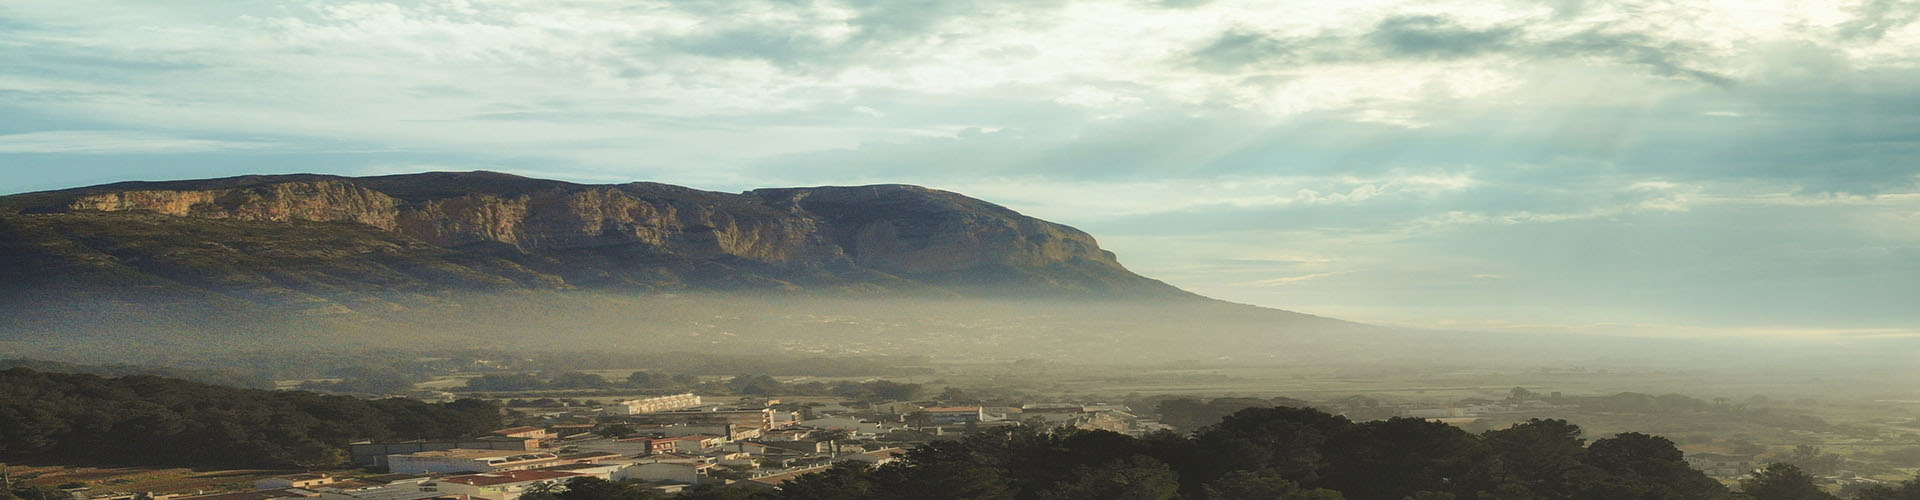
{"x": 639, "y": 235}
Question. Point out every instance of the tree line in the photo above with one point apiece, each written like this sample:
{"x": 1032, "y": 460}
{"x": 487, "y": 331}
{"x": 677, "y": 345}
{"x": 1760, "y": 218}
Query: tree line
{"x": 147, "y": 420}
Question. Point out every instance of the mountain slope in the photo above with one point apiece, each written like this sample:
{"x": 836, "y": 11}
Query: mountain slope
{"x": 482, "y": 258}
{"x": 322, "y": 243}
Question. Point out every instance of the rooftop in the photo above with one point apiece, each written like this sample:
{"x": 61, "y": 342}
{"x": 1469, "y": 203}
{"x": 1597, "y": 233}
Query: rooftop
{"x": 789, "y": 475}
{"x": 508, "y": 477}
{"x": 255, "y": 495}
{"x": 465, "y": 453}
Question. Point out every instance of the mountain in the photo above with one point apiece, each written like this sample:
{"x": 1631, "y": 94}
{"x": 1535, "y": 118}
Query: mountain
{"x": 294, "y": 237}
{"x": 486, "y": 256}
{"x": 151, "y": 271}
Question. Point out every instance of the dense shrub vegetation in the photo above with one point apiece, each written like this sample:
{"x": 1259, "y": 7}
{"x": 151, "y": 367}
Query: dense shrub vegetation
{"x": 159, "y": 421}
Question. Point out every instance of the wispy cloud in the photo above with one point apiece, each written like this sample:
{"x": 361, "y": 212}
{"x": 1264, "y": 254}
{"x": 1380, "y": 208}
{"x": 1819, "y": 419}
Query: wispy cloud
{"x": 1288, "y": 280}
{"x": 1642, "y": 158}
{"x": 94, "y": 142}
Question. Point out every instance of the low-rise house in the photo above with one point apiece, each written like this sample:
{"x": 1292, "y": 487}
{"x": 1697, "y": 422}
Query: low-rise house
{"x": 803, "y": 446}
{"x": 851, "y": 425}
{"x": 951, "y": 415}
{"x": 272, "y": 494}
{"x": 305, "y": 481}
{"x": 467, "y": 461}
{"x": 878, "y": 457}
{"x": 673, "y": 458}
{"x": 690, "y": 443}
{"x": 654, "y": 404}
{"x": 652, "y": 445}
{"x": 785, "y": 435}
{"x": 413, "y": 488}
{"x": 762, "y": 418}
{"x": 774, "y": 479}
{"x": 602, "y": 471}
{"x": 503, "y": 485}
{"x": 524, "y": 433}
{"x": 561, "y": 431}
{"x": 375, "y": 454}
{"x": 588, "y": 457}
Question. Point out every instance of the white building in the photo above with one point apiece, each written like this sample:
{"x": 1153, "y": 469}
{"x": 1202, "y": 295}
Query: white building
{"x": 654, "y": 404}
{"x": 505, "y": 485}
{"x": 465, "y": 460}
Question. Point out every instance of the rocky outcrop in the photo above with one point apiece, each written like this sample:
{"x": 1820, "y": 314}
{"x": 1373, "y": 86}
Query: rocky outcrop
{"x": 325, "y": 201}
{"x": 655, "y": 234}
{"x": 915, "y": 230}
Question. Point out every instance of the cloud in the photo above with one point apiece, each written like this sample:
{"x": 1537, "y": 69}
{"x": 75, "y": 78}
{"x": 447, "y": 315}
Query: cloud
{"x": 1647, "y": 158}
{"x": 1874, "y": 18}
{"x": 98, "y": 142}
{"x": 1288, "y": 280}
{"x": 1441, "y": 38}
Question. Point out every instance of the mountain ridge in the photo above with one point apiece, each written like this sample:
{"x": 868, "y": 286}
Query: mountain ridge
{"x": 490, "y": 259}
{"x": 639, "y": 236}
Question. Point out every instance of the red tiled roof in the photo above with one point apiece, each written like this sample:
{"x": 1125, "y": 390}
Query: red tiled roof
{"x": 517, "y": 430}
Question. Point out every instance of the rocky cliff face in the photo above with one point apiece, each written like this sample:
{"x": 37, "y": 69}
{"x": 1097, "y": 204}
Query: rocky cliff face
{"x": 914, "y": 230}
{"x": 326, "y": 201}
{"x": 659, "y": 236}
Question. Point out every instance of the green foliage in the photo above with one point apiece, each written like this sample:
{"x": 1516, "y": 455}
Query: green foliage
{"x": 25, "y": 492}
{"x": 505, "y": 382}
{"x": 157, "y": 421}
{"x": 1909, "y": 490}
{"x": 1782, "y": 482}
{"x": 1190, "y": 413}
{"x": 578, "y": 380}
{"x": 593, "y": 488}
{"x": 1277, "y": 453}
{"x": 1250, "y": 485}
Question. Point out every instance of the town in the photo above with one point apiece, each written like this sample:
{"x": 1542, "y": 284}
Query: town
{"x": 669, "y": 443}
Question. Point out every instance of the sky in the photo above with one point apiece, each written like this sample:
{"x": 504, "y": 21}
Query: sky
{"x": 1658, "y": 167}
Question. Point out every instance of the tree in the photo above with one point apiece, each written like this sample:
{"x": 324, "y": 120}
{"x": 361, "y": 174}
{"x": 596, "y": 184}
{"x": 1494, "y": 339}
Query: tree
{"x": 1637, "y": 462}
{"x": 1781, "y": 481}
{"x": 1133, "y": 478}
{"x": 540, "y": 491}
{"x": 1909, "y": 490}
{"x": 1398, "y": 457}
{"x": 577, "y": 380}
{"x": 1538, "y": 455}
{"x": 593, "y": 488}
{"x": 617, "y": 430}
{"x": 645, "y": 379}
{"x": 846, "y": 480}
{"x": 754, "y": 385}
{"x": 1249, "y": 485}
{"x": 1809, "y": 458}
{"x": 505, "y": 382}
{"x": 1287, "y": 441}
